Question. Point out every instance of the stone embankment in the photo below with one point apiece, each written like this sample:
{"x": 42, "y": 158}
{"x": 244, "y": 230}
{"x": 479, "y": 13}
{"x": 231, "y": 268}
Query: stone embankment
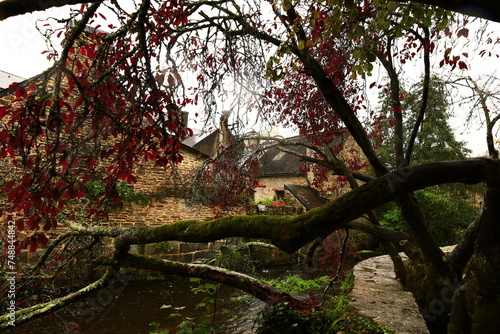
{"x": 378, "y": 295}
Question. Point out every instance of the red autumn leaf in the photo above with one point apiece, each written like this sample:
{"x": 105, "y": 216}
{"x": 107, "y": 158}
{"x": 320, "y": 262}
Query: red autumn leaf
{"x": 33, "y": 244}
{"x": 171, "y": 80}
{"x": 42, "y": 239}
{"x": 463, "y": 32}
{"x": 20, "y": 224}
{"x": 160, "y": 77}
{"x": 8, "y": 185}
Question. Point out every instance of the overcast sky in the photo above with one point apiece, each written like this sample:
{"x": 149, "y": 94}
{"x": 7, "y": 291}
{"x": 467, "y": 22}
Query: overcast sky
{"x": 22, "y": 46}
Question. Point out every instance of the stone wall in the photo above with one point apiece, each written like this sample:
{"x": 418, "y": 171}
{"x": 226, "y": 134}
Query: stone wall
{"x": 152, "y": 179}
{"x": 159, "y": 212}
{"x": 167, "y": 205}
{"x": 269, "y": 185}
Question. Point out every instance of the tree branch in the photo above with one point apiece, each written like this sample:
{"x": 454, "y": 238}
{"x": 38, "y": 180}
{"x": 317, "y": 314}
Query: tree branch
{"x": 462, "y": 253}
{"x": 27, "y": 314}
{"x": 486, "y": 9}
{"x": 9, "y": 8}
{"x": 386, "y": 59}
{"x": 253, "y": 286}
{"x": 291, "y": 233}
{"x": 425, "y": 93}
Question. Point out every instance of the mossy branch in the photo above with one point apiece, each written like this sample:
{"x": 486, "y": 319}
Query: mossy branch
{"x": 27, "y": 314}
{"x": 291, "y": 233}
{"x": 251, "y": 285}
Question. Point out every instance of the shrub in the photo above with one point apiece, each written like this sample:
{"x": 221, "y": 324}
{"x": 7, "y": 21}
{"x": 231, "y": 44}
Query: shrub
{"x": 334, "y": 317}
{"x": 447, "y": 211}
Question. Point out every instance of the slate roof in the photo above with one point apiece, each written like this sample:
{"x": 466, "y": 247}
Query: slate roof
{"x": 7, "y": 78}
{"x": 275, "y": 162}
{"x": 205, "y": 142}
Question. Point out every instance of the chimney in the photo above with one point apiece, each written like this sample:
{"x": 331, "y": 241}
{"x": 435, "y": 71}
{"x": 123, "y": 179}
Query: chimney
{"x": 273, "y": 130}
{"x": 225, "y": 132}
{"x": 185, "y": 118}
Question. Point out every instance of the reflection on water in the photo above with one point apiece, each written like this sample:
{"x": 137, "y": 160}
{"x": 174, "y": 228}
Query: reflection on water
{"x": 129, "y": 306}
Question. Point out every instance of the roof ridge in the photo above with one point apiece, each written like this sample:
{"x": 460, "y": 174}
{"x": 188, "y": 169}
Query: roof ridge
{"x": 12, "y": 74}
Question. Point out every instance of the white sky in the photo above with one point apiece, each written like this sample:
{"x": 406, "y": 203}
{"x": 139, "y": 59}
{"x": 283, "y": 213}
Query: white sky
{"x": 22, "y": 46}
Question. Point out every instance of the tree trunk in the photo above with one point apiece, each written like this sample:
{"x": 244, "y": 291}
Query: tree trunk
{"x": 476, "y": 308}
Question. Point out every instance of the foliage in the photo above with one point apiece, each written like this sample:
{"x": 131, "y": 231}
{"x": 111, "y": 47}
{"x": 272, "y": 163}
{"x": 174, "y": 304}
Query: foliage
{"x": 164, "y": 246}
{"x": 96, "y": 189}
{"x": 447, "y": 209}
{"x": 265, "y": 201}
{"x": 271, "y": 201}
{"x": 333, "y": 317}
{"x": 333, "y": 254}
{"x": 281, "y": 319}
{"x": 294, "y": 284}
{"x": 92, "y": 110}
{"x": 113, "y": 100}
{"x": 225, "y": 182}
{"x": 233, "y": 257}
{"x": 436, "y": 140}
{"x": 70, "y": 266}
{"x": 205, "y": 323}
{"x": 157, "y": 330}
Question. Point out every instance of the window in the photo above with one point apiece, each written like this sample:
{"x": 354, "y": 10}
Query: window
{"x": 279, "y": 194}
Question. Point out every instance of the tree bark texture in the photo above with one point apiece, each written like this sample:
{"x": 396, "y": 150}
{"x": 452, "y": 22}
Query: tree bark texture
{"x": 477, "y": 303}
{"x": 253, "y": 286}
{"x": 9, "y": 8}
{"x": 487, "y": 9}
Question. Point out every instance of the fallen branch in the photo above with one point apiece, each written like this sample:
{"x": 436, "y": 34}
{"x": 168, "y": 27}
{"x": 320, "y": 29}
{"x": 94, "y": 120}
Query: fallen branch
{"x": 248, "y": 284}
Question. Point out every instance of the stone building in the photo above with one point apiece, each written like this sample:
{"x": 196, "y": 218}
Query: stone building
{"x": 166, "y": 204}
{"x": 282, "y": 178}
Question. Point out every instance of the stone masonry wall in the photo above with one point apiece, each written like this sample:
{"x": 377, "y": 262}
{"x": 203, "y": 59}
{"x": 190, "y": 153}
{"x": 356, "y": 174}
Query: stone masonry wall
{"x": 167, "y": 206}
{"x": 269, "y": 184}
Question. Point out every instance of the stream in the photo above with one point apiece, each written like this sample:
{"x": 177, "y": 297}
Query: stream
{"x": 130, "y": 306}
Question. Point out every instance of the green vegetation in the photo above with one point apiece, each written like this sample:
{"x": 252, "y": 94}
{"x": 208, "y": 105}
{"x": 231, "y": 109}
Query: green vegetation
{"x": 294, "y": 284}
{"x": 436, "y": 140}
{"x": 208, "y": 307}
{"x": 163, "y": 247}
{"x": 265, "y": 201}
{"x": 232, "y": 257}
{"x": 448, "y": 211}
{"x": 96, "y": 188}
{"x": 335, "y": 316}
{"x": 270, "y": 201}
{"x": 332, "y": 317}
